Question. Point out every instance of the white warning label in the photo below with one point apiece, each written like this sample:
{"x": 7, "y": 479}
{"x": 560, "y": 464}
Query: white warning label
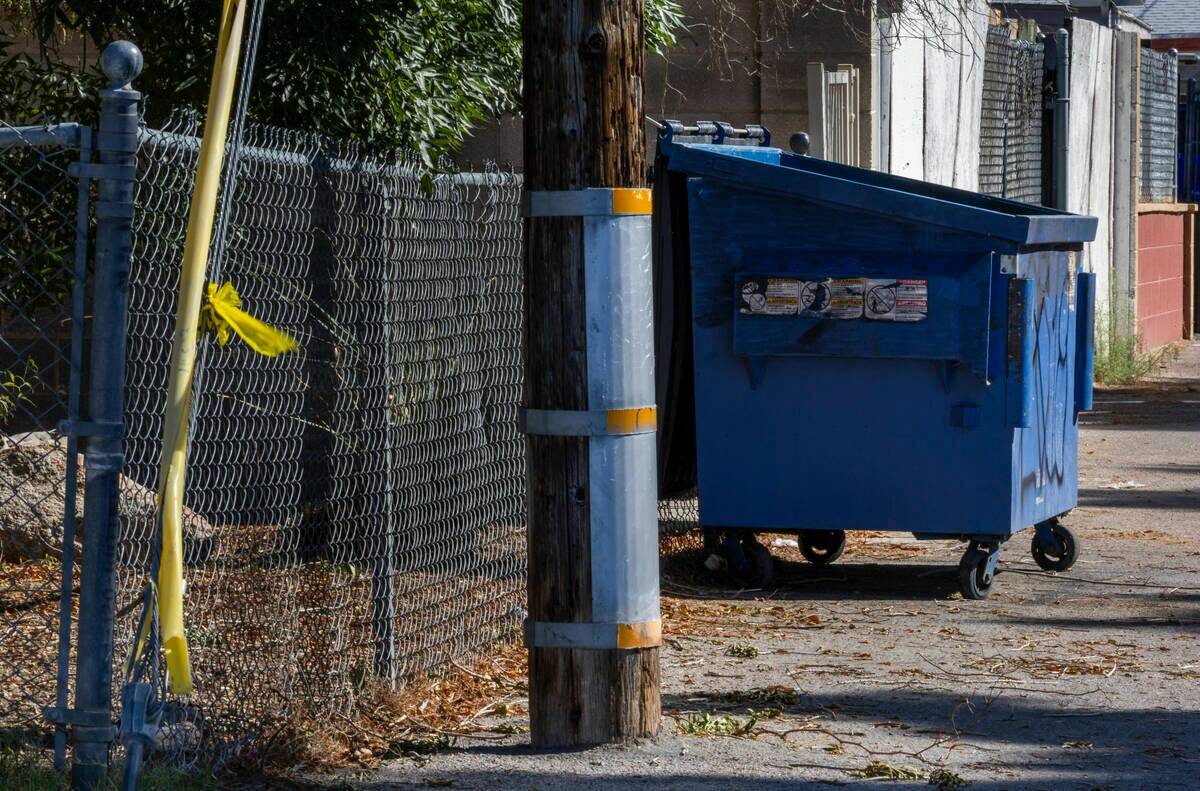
{"x": 878, "y": 299}
{"x": 770, "y": 296}
{"x": 896, "y": 299}
{"x": 846, "y": 297}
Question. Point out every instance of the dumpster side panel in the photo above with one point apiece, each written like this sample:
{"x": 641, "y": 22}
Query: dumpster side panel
{"x": 831, "y": 441}
{"x": 1045, "y": 455}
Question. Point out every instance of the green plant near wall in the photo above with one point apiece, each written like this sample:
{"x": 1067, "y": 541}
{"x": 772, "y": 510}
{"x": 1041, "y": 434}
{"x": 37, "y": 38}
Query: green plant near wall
{"x": 16, "y": 389}
{"x": 1119, "y": 359}
{"x": 412, "y": 73}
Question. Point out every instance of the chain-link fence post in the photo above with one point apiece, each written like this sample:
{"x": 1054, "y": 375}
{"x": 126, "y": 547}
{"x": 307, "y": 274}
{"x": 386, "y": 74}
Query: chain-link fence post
{"x": 117, "y": 146}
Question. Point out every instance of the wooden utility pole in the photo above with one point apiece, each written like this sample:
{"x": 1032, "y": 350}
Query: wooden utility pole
{"x": 584, "y": 128}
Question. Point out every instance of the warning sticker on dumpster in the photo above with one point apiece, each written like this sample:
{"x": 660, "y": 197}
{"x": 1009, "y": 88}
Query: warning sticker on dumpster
{"x": 896, "y": 299}
{"x": 770, "y": 296}
{"x": 784, "y": 296}
{"x": 846, "y": 297}
{"x": 814, "y": 298}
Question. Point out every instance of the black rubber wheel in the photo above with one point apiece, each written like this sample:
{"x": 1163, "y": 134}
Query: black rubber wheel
{"x": 1060, "y": 558}
{"x": 712, "y": 541}
{"x": 762, "y": 565}
{"x": 973, "y": 578}
{"x": 822, "y": 547}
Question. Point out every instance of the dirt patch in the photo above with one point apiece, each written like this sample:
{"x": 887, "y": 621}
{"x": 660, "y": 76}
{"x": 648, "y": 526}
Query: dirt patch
{"x": 33, "y": 479}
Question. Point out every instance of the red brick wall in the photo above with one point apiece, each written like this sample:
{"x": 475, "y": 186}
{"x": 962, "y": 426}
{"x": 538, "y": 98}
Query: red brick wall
{"x": 1160, "y": 280}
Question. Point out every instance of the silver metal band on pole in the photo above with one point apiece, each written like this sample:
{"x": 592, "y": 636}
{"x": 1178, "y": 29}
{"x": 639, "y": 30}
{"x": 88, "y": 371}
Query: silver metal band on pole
{"x": 590, "y": 202}
{"x": 603, "y": 636}
{"x": 589, "y": 423}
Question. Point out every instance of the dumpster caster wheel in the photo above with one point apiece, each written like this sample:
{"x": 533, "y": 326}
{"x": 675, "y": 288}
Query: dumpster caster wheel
{"x": 974, "y": 576}
{"x": 761, "y": 569}
{"x": 1059, "y": 555}
{"x": 822, "y": 547}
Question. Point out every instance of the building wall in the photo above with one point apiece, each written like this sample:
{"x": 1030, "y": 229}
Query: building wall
{"x": 1161, "y": 273}
{"x": 745, "y": 65}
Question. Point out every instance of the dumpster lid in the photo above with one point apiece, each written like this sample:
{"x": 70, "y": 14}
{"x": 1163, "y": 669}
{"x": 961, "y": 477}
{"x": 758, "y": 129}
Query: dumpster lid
{"x": 822, "y": 181}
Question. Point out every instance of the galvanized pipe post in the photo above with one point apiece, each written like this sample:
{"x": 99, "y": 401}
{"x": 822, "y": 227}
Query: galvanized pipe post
{"x": 116, "y": 145}
{"x": 1062, "y": 109}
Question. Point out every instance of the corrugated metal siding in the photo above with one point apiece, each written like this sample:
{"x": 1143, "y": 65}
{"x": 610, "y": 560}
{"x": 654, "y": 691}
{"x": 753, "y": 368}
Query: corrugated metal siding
{"x": 1010, "y": 145}
{"x": 1159, "y": 109}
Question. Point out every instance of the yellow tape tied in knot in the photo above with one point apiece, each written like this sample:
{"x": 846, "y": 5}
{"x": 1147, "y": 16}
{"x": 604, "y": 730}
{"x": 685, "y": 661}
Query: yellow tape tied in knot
{"x": 222, "y": 313}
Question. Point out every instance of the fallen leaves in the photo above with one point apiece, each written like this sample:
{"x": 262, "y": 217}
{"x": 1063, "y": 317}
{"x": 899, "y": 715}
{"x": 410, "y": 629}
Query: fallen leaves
{"x": 881, "y": 771}
{"x": 706, "y": 723}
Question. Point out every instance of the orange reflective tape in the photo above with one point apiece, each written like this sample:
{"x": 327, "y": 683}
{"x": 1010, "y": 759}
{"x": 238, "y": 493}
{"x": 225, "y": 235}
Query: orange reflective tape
{"x": 639, "y": 635}
{"x": 631, "y": 421}
{"x": 631, "y": 201}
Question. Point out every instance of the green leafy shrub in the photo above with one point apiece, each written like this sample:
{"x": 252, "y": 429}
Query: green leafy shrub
{"x": 1119, "y": 359}
{"x": 414, "y": 73}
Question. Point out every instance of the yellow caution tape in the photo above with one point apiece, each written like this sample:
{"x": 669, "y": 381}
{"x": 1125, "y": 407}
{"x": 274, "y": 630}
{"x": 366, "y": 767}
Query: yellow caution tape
{"x": 222, "y": 313}
{"x": 173, "y": 467}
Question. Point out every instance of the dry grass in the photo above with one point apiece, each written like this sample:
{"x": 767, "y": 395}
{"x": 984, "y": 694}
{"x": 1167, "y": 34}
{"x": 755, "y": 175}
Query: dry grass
{"x": 29, "y": 605}
{"x": 425, "y": 714}
{"x": 1087, "y": 658}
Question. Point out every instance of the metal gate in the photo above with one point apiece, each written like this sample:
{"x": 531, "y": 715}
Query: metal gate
{"x": 43, "y": 274}
{"x": 64, "y": 262}
{"x": 1189, "y": 149}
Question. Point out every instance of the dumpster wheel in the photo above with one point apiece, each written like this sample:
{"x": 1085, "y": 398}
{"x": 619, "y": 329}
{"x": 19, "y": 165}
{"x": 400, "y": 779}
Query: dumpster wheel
{"x": 975, "y": 575}
{"x": 762, "y": 565}
{"x": 822, "y": 547}
{"x": 1054, "y": 558}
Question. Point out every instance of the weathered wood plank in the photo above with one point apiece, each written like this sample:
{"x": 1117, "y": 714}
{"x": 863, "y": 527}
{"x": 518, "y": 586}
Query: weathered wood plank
{"x": 970, "y": 98}
{"x": 1126, "y": 65}
{"x": 941, "y": 102}
{"x": 906, "y": 143}
{"x": 1100, "y": 185}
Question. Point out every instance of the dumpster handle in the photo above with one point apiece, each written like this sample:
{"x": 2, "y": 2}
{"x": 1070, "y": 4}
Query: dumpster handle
{"x": 1085, "y": 339}
{"x": 1019, "y": 356}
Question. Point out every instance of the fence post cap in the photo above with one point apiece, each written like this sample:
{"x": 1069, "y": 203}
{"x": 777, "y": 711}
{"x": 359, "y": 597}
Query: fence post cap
{"x": 121, "y": 63}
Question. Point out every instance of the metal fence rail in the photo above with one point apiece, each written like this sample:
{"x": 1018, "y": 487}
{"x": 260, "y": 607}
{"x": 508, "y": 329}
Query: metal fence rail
{"x": 1159, "y": 109}
{"x": 1010, "y": 145}
{"x": 355, "y": 509}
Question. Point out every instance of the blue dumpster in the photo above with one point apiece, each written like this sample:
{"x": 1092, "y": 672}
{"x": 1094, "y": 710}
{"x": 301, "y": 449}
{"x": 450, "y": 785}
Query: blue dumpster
{"x": 872, "y": 353}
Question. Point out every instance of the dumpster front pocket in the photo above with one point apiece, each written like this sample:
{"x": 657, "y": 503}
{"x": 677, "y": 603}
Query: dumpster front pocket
{"x": 922, "y": 306}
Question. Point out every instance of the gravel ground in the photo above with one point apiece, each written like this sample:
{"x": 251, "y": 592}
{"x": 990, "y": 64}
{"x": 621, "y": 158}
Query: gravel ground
{"x": 1088, "y": 679}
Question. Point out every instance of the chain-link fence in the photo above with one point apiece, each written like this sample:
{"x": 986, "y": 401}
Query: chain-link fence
{"x": 42, "y": 257}
{"x": 355, "y": 509}
{"x": 1159, "y": 109}
{"x": 1010, "y": 144}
